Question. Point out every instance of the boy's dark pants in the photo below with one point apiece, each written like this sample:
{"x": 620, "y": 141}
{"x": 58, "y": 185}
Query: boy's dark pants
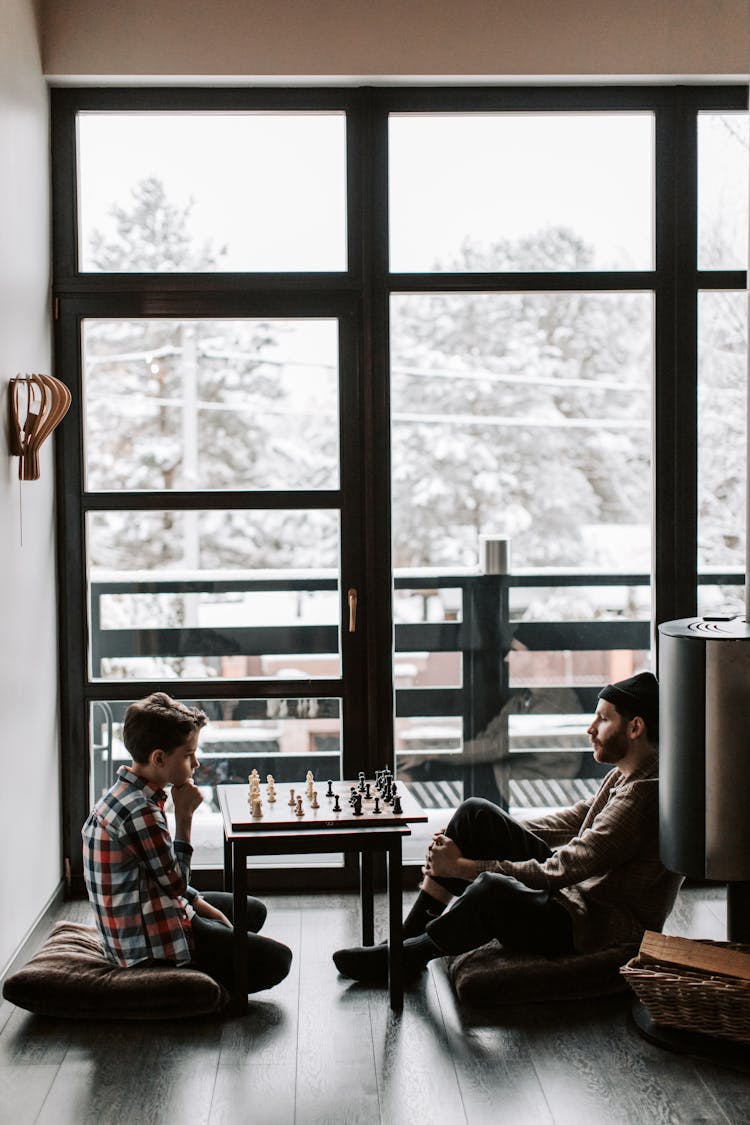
{"x": 494, "y": 905}
{"x": 268, "y": 961}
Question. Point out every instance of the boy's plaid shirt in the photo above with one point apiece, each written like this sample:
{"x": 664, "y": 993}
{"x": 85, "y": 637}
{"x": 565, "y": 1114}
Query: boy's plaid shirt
{"x": 137, "y": 878}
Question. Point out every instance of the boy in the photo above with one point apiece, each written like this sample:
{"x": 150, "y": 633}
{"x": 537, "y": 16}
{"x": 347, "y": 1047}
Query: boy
{"x": 138, "y": 878}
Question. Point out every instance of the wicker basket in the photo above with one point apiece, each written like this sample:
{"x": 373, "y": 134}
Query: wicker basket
{"x": 690, "y": 1000}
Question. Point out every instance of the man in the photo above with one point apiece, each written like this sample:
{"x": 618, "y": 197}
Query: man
{"x": 603, "y": 884}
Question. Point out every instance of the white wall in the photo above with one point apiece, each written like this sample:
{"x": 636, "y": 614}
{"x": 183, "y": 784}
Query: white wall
{"x": 30, "y": 826}
{"x": 350, "y": 39}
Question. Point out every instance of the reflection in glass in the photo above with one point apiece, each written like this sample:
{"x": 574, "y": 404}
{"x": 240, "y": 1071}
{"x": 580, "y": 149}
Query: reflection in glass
{"x": 550, "y": 763}
{"x": 525, "y": 416}
{"x": 580, "y": 603}
{"x": 571, "y": 668}
{"x": 427, "y": 669}
{"x": 282, "y": 737}
{"x": 208, "y": 404}
{"x": 229, "y": 594}
{"x": 521, "y": 191}
{"x": 210, "y": 192}
{"x": 722, "y": 190}
{"x": 722, "y": 393}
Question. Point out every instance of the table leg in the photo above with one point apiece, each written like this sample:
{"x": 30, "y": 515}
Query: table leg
{"x": 366, "y": 894}
{"x": 239, "y": 867}
{"x": 395, "y": 951}
{"x": 227, "y": 865}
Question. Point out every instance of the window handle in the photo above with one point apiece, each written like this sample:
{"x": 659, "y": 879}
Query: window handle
{"x": 352, "y": 599}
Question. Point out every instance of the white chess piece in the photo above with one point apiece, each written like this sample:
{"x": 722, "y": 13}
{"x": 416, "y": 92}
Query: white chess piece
{"x": 315, "y": 804}
{"x": 257, "y": 810}
{"x": 292, "y": 801}
{"x": 299, "y": 810}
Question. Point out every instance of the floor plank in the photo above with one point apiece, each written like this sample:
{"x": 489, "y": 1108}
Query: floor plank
{"x": 29, "y": 1040}
{"x": 494, "y": 1064}
{"x": 262, "y": 1093}
{"x": 157, "y": 1072}
{"x": 416, "y": 1076}
{"x": 594, "y": 1067}
{"x": 22, "y": 1092}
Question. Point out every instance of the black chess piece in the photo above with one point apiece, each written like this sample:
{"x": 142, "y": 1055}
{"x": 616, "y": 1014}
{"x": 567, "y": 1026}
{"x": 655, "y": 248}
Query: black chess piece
{"x": 397, "y": 810}
{"x": 367, "y": 791}
{"x": 330, "y": 789}
{"x": 357, "y": 805}
{"x": 361, "y": 786}
{"x": 352, "y": 794}
{"x": 377, "y": 808}
{"x": 336, "y": 805}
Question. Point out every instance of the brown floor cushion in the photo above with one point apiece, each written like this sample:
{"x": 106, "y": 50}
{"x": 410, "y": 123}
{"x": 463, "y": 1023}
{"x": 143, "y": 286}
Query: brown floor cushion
{"x": 492, "y": 975}
{"x": 71, "y": 977}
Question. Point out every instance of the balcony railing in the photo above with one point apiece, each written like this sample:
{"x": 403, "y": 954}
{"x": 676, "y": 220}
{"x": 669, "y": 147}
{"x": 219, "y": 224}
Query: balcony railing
{"x": 508, "y": 670}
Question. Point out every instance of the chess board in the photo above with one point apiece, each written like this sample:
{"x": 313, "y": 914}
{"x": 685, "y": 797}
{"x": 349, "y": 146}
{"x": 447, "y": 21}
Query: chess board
{"x": 281, "y": 816}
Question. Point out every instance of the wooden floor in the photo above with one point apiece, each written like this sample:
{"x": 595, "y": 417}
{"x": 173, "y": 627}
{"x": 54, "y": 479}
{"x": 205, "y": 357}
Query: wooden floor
{"x": 320, "y": 1049}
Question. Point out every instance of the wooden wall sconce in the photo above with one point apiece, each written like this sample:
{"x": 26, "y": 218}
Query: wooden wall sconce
{"x": 36, "y": 405}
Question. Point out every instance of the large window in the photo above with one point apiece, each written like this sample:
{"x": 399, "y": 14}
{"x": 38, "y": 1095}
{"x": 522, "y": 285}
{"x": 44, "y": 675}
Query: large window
{"x": 400, "y": 418}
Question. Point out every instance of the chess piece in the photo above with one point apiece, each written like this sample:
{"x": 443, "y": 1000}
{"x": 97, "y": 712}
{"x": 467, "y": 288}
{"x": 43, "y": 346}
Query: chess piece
{"x": 361, "y": 785}
{"x": 257, "y": 810}
{"x": 315, "y": 804}
{"x": 299, "y": 811}
{"x": 270, "y": 780}
{"x": 292, "y": 802}
{"x": 330, "y": 789}
{"x": 336, "y": 805}
{"x": 397, "y": 810}
{"x": 357, "y": 811}
{"x": 367, "y": 791}
{"x": 352, "y": 794}
{"x": 377, "y": 808}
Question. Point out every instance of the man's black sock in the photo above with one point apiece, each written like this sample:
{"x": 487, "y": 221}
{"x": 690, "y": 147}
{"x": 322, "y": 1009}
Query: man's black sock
{"x": 369, "y": 963}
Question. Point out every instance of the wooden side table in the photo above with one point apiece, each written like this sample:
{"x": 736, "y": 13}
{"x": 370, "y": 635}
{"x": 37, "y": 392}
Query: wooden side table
{"x": 365, "y": 839}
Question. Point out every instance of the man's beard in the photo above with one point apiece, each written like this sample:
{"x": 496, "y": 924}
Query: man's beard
{"x": 614, "y": 749}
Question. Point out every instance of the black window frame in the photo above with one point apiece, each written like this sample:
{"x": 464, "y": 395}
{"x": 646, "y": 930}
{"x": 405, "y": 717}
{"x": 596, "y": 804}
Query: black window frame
{"x": 361, "y": 295}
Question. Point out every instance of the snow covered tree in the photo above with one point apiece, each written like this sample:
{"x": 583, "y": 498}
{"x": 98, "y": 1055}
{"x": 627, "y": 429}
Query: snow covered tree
{"x": 189, "y": 403}
{"x": 522, "y": 413}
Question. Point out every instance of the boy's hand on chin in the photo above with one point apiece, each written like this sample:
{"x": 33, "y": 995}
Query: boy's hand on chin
{"x": 186, "y": 798}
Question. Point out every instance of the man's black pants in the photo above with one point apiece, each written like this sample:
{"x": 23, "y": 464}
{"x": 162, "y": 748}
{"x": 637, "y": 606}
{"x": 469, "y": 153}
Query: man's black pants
{"x": 495, "y": 905}
{"x": 268, "y": 961}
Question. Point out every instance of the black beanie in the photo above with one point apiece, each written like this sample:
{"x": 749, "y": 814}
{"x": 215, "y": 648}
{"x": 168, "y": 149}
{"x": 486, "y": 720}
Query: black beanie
{"x": 638, "y": 695}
